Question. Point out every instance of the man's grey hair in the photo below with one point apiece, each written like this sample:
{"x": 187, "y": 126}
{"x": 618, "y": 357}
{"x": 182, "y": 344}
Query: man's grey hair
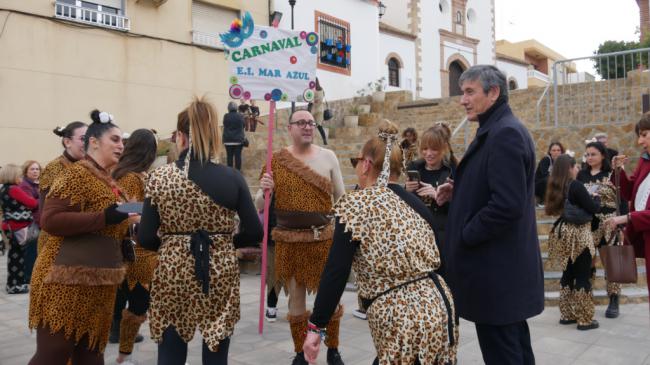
{"x": 489, "y": 76}
{"x": 232, "y": 106}
{"x": 600, "y": 135}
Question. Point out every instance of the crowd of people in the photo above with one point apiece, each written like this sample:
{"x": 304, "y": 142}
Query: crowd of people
{"x": 116, "y": 241}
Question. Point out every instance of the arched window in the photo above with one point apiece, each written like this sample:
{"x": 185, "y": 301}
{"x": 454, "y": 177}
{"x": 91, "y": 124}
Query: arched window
{"x": 459, "y": 17}
{"x": 393, "y": 72}
{"x": 512, "y": 84}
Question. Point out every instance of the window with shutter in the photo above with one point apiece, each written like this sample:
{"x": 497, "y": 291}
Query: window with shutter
{"x": 335, "y": 47}
{"x": 208, "y": 21}
{"x": 393, "y": 72}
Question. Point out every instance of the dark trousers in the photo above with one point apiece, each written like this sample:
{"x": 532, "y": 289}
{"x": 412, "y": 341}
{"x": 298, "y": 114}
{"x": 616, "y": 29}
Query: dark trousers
{"x": 272, "y": 299}
{"x": 234, "y": 152}
{"x": 173, "y": 350}
{"x": 321, "y": 130}
{"x": 505, "y": 345}
{"x": 577, "y": 274}
{"x": 30, "y": 258}
{"x": 16, "y": 281}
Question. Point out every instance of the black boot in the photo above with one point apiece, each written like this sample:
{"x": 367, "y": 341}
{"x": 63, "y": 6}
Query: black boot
{"x": 299, "y": 359}
{"x": 334, "y": 357}
{"x": 612, "y": 308}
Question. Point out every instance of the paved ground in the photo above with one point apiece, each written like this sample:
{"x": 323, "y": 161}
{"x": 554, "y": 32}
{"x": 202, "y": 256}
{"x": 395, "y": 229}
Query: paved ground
{"x": 625, "y": 340}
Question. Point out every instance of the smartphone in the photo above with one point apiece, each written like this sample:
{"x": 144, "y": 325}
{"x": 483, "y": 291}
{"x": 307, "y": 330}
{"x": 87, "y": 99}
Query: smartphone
{"x": 413, "y": 175}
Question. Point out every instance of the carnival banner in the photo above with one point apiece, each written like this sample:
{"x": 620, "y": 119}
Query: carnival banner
{"x": 269, "y": 63}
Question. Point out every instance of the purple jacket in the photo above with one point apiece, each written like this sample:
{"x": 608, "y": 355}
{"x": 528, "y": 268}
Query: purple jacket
{"x": 32, "y": 189}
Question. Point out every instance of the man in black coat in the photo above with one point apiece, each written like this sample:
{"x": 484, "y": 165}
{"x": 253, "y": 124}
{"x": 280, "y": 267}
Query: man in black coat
{"x": 493, "y": 260}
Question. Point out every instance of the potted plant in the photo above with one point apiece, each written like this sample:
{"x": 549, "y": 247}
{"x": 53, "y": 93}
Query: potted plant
{"x": 379, "y": 95}
{"x": 351, "y": 120}
{"x": 363, "y": 106}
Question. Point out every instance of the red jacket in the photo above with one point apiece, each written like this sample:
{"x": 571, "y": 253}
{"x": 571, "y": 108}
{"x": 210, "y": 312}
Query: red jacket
{"x": 23, "y": 198}
{"x": 638, "y": 229}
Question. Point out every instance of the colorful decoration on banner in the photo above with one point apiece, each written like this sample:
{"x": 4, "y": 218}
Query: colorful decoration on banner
{"x": 240, "y": 30}
{"x": 269, "y": 63}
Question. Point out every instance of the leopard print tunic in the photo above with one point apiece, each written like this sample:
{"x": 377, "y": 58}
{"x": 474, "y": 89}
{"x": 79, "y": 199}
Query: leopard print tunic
{"x": 607, "y": 195}
{"x": 176, "y": 296}
{"x": 140, "y": 271}
{"x": 298, "y": 254}
{"x": 77, "y": 310}
{"x": 567, "y": 241}
{"x": 397, "y": 246}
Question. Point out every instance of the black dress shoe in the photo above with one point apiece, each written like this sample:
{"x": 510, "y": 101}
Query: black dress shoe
{"x": 334, "y": 357}
{"x": 568, "y": 321}
{"x": 593, "y": 325}
{"x": 139, "y": 338}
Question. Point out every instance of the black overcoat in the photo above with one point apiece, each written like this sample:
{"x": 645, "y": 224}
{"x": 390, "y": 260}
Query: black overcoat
{"x": 493, "y": 259}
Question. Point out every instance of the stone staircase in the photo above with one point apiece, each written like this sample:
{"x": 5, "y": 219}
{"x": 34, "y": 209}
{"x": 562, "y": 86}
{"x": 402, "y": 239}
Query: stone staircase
{"x": 399, "y": 108}
{"x": 630, "y": 293}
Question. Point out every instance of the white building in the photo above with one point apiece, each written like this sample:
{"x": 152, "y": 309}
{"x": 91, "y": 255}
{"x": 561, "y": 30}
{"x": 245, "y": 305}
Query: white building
{"x": 516, "y": 71}
{"x": 420, "y": 46}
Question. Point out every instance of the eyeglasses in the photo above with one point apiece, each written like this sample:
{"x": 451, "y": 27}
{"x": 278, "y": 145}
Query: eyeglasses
{"x": 304, "y": 123}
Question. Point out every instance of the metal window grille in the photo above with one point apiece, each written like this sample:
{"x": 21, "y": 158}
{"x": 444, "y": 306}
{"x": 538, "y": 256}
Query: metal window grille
{"x": 333, "y": 41}
{"x": 393, "y": 72}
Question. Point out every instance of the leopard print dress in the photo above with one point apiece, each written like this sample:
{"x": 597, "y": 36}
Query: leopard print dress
{"x": 397, "y": 246}
{"x": 52, "y": 171}
{"x": 176, "y": 295}
{"x": 77, "y": 310}
{"x": 140, "y": 271}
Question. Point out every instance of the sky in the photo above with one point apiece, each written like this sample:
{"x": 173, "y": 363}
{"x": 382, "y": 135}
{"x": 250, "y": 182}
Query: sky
{"x": 573, "y": 28}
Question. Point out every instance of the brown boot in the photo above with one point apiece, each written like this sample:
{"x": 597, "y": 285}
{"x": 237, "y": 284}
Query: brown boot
{"x": 332, "y": 329}
{"x": 584, "y": 309}
{"x": 129, "y": 327}
{"x": 298, "y": 326}
{"x": 567, "y": 315}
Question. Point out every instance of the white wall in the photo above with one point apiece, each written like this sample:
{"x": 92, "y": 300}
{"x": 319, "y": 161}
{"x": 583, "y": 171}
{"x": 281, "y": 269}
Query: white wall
{"x": 364, "y": 38}
{"x": 406, "y": 50}
{"x": 515, "y": 70}
{"x": 482, "y": 28}
{"x": 396, "y": 14}
{"x": 432, "y": 21}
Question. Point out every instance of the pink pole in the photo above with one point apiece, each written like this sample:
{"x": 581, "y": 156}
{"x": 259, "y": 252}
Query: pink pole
{"x": 267, "y": 204}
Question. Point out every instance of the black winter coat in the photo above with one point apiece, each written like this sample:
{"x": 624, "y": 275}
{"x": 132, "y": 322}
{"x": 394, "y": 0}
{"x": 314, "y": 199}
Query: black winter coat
{"x": 493, "y": 260}
{"x": 233, "y": 128}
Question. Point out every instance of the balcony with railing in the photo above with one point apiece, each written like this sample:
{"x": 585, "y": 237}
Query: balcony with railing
{"x": 91, "y": 16}
{"x": 534, "y": 74}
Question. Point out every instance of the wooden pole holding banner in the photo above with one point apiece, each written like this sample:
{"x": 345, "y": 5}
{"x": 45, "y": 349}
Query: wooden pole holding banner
{"x": 267, "y": 205}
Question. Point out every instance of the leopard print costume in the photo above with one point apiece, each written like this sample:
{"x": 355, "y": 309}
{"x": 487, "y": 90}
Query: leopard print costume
{"x": 78, "y": 310}
{"x": 300, "y": 254}
{"x": 603, "y": 233}
{"x": 53, "y": 170}
{"x": 397, "y": 246}
{"x": 567, "y": 241}
{"x": 176, "y": 296}
{"x": 140, "y": 271}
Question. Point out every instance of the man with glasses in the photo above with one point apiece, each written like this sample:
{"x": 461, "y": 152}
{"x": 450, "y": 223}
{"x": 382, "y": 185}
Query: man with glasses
{"x": 305, "y": 180}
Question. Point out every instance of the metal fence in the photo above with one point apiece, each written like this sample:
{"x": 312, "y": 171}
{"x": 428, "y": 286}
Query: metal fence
{"x": 613, "y": 96}
{"x": 91, "y": 16}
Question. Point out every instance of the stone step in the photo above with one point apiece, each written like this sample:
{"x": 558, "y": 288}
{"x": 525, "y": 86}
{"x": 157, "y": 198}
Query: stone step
{"x": 628, "y": 295}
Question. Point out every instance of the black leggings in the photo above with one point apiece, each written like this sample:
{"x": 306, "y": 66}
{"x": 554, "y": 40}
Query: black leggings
{"x": 576, "y": 275}
{"x": 321, "y": 130}
{"x": 234, "y": 151}
{"x": 55, "y": 349}
{"x": 173, "y": 350}
{"x": 272, "y": 299}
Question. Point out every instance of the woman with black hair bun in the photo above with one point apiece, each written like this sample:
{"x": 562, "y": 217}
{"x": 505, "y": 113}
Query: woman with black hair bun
{"x": 130, "y": 174}
{"x": 80, "y": 266}
{"x": 597, "y": 177}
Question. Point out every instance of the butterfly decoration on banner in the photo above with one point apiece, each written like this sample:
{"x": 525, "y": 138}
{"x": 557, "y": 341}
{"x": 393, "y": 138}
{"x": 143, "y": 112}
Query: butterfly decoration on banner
{"x": 240, "y": 30}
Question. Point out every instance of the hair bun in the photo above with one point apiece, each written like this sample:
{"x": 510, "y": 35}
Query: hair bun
{"x": 59, "y": 131}
{"x": 101, "y": 117}
{"x": 388, "y": 130}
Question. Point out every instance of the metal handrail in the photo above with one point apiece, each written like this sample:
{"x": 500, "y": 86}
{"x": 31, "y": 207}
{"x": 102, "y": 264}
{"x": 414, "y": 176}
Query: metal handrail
{"x": 459, "y": 126}
{"x": 539, "y": 101}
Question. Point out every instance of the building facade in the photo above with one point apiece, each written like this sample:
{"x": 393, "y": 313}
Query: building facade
{"x": 141, "y": 60}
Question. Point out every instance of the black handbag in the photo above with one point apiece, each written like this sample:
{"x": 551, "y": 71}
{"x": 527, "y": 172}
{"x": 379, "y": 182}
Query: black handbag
{"x": 574, "y": 214}
{"x": 327, "y": 114}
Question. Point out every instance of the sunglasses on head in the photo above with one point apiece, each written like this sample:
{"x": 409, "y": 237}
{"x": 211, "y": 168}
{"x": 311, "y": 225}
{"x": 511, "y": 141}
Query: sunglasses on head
{"x": 355, "y": 161}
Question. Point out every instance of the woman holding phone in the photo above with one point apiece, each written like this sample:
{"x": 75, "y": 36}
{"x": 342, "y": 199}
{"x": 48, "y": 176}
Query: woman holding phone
{"x": 437, "y": 164}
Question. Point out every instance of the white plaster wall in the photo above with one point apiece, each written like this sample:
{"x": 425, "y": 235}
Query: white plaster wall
{"x": 515, "y": 70}
{"x": 406, "y": 51}
{"x": 482, "y": 29}
{"x": 396, "y": 14}
{"x": 364, "y": 38}
{"x": 433, "y": 20}
{"x": 451, "y": 49}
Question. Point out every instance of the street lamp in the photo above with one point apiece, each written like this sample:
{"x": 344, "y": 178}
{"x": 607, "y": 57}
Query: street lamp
{"x": 382, "y": 9}
{"x": 292, "y": 3}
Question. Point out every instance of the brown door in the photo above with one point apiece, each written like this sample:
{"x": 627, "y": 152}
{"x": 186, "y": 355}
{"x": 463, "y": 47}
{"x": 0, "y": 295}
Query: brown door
{"x": 455, "y": 70}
